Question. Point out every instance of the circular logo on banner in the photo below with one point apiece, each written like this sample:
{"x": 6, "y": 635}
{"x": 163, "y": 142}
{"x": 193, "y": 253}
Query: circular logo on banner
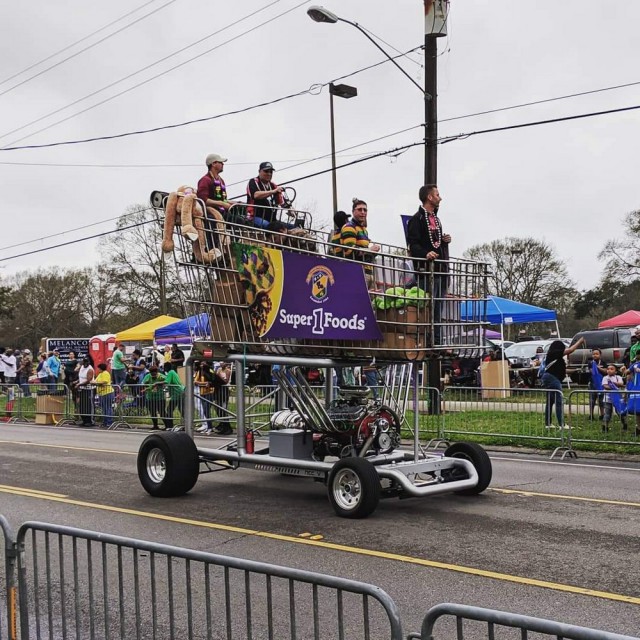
{"x": 320, "y": 278}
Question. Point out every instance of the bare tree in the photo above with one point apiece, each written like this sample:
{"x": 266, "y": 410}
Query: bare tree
{"x": 527, "y": 270}
{"x": 145, "y": 280}
{"x": 102, "y": 304}
{"x": 622, "y": 255}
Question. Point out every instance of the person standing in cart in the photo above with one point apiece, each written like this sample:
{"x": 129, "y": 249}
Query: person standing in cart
{"x": 426, "y": 239}
{"x": 354, "y": 240}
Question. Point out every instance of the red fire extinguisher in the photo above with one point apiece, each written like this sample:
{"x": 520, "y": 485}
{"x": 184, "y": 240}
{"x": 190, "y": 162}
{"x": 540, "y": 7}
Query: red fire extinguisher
{"x": 250, "y": 442}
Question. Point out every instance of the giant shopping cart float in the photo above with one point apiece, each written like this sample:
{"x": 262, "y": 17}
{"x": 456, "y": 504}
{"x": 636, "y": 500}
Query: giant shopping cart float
{"x": 284, "y": 298}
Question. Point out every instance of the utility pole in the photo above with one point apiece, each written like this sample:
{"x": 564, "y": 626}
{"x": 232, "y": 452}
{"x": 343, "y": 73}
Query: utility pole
{"x": 430, "y": 109}
{"x": 435, "y": 26}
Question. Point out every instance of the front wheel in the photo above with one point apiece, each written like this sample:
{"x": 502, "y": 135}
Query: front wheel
{"x": 354, "y": 488}
{"x": 478, "y": 457}
{"x": 168, "y": 464}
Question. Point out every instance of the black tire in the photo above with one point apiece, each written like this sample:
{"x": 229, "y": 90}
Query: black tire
{"x": 168, "y": 464}
{"x": 353, "y": 488}
{"x": 478, "y": 458}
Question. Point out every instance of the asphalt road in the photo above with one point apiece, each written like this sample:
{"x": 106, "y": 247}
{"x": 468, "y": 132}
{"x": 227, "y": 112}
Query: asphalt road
{"x": 551, "y": 539}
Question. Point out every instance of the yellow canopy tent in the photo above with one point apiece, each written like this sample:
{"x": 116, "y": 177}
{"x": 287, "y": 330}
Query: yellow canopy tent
{"x": 144, "y": 332}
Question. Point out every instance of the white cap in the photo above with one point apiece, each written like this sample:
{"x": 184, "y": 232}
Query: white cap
{"x": 214, "y": 157}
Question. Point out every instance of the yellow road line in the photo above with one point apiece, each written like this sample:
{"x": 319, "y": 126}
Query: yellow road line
{"x": 372, "y": 553}
{"x": 565, "y": 497}
{"x": 34, "y": 491}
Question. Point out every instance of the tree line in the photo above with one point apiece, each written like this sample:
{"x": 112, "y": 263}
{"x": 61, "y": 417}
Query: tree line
{"x": 133, "y": 282}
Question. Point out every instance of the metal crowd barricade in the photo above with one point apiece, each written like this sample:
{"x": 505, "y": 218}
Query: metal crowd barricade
{"x": 83, "y": 584}
{"x": 586, "y": 414}
{"x": 489, "y": 619}
{"x": 47, "y": 403}
{"x": 498, "y": 415}
{"x": 10, "y": 394}
{"x": 8, "y": 586}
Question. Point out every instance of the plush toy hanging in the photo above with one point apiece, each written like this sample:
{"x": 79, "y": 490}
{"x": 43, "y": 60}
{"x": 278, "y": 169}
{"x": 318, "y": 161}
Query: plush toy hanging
{"x": 184, "y": 210}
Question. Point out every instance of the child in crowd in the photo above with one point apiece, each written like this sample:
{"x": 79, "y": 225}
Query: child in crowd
{"x": 633, "y": 387}
{"x": 611, "y": 383}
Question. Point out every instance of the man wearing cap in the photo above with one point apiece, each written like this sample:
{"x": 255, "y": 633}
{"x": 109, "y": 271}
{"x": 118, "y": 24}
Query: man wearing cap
{"x": 212, "y": 188}
{"x": 263, "y": 196}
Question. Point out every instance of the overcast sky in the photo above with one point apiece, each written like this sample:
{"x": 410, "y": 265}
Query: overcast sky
{"x": 569, "y": 183}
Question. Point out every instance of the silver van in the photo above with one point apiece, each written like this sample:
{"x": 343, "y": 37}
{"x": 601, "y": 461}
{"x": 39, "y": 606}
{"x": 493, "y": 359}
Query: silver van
{"x": 613, "y": 344}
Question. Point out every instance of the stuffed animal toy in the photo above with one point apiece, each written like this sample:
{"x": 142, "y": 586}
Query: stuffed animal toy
{"x": 184, "y": 210}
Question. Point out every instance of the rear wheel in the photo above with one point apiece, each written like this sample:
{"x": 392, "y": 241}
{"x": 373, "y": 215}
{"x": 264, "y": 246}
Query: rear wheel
{"x": 354, "y": 488}
{"x": 168, "y": 464}
{"x": 478, "y": 457}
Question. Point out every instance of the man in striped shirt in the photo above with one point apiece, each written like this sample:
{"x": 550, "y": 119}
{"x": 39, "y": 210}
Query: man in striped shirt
{"x": 354, "y": 239}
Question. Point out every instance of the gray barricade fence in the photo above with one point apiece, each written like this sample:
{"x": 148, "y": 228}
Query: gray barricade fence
{"x": 43, "y": 403}
{"x": 593, "y": 422}
{"x": 83, "y": 584}
{"x": 8, "y": 588}
{"x": 9, "y": 402}
{"x": 501, "y": 415}
{"x": 462, "y": 621}
{"x": 63, "y": 582}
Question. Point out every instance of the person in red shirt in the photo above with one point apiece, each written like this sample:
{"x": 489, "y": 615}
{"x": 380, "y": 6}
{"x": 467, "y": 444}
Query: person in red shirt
{"x": 212, "y": 190}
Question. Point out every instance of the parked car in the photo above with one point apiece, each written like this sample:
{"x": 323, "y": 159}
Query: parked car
{"x": 612, "y": 343}
{"x": 501, "y": 344}
{"x": 521, "y": 354}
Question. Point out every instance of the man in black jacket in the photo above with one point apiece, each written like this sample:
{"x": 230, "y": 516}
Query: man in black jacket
{"x": 426, "y": 240}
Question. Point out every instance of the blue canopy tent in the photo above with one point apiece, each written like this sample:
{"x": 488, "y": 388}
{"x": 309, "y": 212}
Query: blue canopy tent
{"x": 501, "y": 311}
{"x": 496, "y": 310}
{"x": 184, "y": 331}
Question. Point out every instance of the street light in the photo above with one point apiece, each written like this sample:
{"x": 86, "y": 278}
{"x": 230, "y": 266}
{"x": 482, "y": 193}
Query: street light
{"x": 436, "y": 12}
{"x": 342, "y": 91}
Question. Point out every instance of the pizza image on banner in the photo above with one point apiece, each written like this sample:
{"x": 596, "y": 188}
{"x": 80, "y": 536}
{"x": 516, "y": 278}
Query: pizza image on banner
{"x": 292, "y": 295}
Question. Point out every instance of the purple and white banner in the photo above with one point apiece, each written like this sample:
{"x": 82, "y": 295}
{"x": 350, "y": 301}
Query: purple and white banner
{"x": 305, "y": 297}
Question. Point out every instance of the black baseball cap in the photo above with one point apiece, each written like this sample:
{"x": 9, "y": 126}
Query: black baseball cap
{"x": 266, "y": 166}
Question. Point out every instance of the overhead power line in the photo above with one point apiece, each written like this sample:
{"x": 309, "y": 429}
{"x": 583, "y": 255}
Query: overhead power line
{"x": 300, "y": 179}
{"x": 66, "y": 244}
{"x": 310, "y": 90}
{"x": 77, "y": 42}
{"x": 143, "y": 82}
{"x": 90, "y": 46}
{"x": 316, "y": 88}
{"x": 543, "y": 101}
{"x": 464, "y": 136}
{"x": 388, "y": 152}
{"x": 298, "y": 163}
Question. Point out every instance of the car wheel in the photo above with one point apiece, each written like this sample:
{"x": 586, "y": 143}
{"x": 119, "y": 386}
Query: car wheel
{"x": 168, "y": 464}
{"x": 354, "y": 488}
{"x": 478, "y": 457}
